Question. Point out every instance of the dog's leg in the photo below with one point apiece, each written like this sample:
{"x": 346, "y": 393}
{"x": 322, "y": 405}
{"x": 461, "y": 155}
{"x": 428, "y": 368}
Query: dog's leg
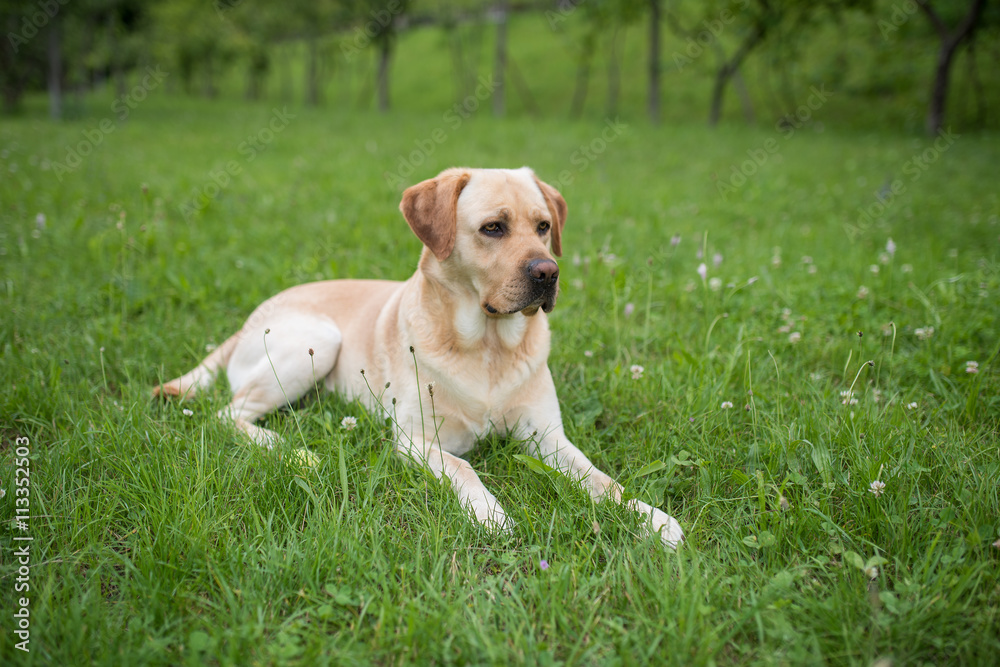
{"x": 471, "y": 492}
{"x": 556, "y": 450}
{"x": 541, "y": 422}
{"x": 187, "y": 385}
{"x": 276, "y": 366}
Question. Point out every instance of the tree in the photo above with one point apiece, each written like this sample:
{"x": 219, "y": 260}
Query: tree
{"x": 654, "y": 60}
{"x": 951, "y": 39}
{"x": 500, "y": 58}
{"x": 55, "y": 75}
{"x": 753, "y": 23}
{"x": 21, "y": 54}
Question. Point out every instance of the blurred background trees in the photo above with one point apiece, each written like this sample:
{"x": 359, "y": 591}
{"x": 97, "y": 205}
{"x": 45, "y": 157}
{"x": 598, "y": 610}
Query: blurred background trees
{"x": 341, "y": 52}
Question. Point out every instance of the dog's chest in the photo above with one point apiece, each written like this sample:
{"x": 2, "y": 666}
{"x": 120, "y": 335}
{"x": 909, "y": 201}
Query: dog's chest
{"x": 483, "y": 388}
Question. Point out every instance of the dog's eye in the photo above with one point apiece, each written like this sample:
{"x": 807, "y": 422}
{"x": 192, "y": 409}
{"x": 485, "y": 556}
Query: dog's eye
{"x": 543, "y": 226}
{"x": 492, "y": 229}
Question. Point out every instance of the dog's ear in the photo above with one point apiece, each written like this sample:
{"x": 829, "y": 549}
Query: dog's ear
{"x": 557, "y": 209}
{"x": 431, "y": 209}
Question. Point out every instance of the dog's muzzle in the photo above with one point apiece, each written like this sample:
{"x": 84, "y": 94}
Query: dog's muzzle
{"x": 542, "y": 287}
{"x": 544, "y": 277}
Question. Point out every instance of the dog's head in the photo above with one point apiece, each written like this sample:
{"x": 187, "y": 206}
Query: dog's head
{"x": 493, "y": 230}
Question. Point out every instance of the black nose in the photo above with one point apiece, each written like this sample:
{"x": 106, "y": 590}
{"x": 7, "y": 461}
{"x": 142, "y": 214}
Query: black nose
{"x": 543, "y": 271}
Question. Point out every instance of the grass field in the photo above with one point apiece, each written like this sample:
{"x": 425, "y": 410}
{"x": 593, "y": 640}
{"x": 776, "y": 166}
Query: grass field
{"x": 159, "y": 537}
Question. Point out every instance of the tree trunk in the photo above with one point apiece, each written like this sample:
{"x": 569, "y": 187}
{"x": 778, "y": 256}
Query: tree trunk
{"x": 457, "y": 59}
{"x": 614, "y": 73}
{"x": 500, "y": 60}
{"x": 312, "y": 72}
{"x": 287, "y": 56}
{"x": 523, "y": 91}
{"x": 582, "y": 76}
{"x": 978, "y": 95}
{"x": 730, "y": 68}
{"x": 208, "y": 83}
{"x": 741, "y": 89}
{"x": 654, "y": 61}
{"x": 950, "y": 41}
{"x": 385, "y": 52}
{"x": 55, "y": 68}
{"x": 117, "y": 69}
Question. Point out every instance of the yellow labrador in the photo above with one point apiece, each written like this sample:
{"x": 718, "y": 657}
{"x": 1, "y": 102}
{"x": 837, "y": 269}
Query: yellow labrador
{"x": 469, "y": 317}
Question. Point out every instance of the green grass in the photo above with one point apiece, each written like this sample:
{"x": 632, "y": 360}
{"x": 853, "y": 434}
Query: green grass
{"x": 161, "y": 538}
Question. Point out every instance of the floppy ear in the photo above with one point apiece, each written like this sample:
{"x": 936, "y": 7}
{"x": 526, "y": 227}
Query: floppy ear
{"x": 557, "y": 209}
{"x": 430, "y": 207}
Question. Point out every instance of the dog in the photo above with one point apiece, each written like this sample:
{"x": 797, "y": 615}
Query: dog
{"x": 464, "y": 333}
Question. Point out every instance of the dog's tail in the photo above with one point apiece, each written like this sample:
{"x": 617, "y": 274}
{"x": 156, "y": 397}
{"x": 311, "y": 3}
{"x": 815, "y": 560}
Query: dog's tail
{"x": 202, "y": 376}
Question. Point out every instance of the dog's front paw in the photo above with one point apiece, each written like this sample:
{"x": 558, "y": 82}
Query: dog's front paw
{"x": 661, "y": 523}
{"x": 489, "y": 514}
{"x": 304, "y": 457}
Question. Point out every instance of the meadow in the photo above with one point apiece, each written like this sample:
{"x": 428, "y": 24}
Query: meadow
{"x": 799, "y": 323}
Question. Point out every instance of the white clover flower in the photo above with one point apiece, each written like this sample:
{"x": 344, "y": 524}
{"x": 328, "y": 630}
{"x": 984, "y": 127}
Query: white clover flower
{"x": 717, "y": 259}
{"x": 703, "y": 270}
{"x": 877, "y": 488}
{"x": 3, "y": 492}
{"x": 349, "y": 423}
{"x": 890, "y": 247}
{"x": 848, "y": 398}
{"x": 862, "y": 292}
{"x": 807, "y": 259}
{"x": 588, "y": 353}
{"x": 971, "y": 366}
{"x": 637, "y": 371}
{"x": 911, "y": 406}
{"x": 872, "y": 573}
{"x": 629, "y": 309}
{"x": 726, "y": 405}
{"x": 924, "y": 333}
{"x": 874, "y": 269}
{"x": 812, "y": 269}
{"x": 187, "y": 413}
{"x": 794, "y": 337}
{"x": 907, "y": 268}
{"x": 884, "y": 258}
{"x": 715, "y": 284}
